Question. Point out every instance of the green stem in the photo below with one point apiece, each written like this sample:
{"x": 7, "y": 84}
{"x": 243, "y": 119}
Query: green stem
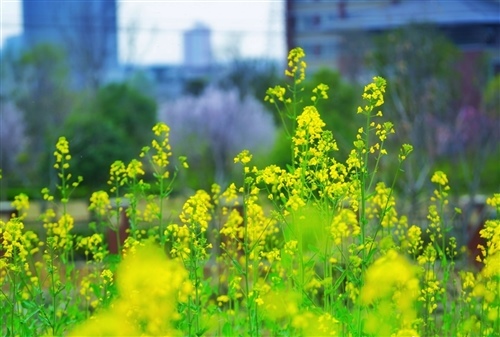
{"x": 14, "y": 284}
{"x": 160, "y": 215}
{"x": 197, "y": 294}
{"x": 53, "y": 290}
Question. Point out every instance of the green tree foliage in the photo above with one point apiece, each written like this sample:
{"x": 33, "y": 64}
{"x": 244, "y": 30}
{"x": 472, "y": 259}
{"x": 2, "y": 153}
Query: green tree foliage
{"x": 41, "y": 92}
{"x": 127, "y": 109}
{"x": 113, "y": 126}
{"x": 195, "y": 86}
{"x": 491, "y": 97}
{"x": 249, "y": 77}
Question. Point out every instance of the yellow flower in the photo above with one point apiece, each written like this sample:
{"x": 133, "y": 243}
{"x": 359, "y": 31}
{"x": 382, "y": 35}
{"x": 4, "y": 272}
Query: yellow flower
{"x": 21, "y": 204}
{"x": 344, "y": 224}
{"x": 275, "y": 93}
{"x": 374, "y": 95}
{"x": 439, "y": 177}
{"x": 296, "y": 66}
{"x": 405, "y": 150}
{"x": 137, "y": 312}
{"x": 134, "y": 169}
{"x": 100, "y": 203}
{"x": 320, "y": 92}
{"x": 494, "y": 201}
{"x": 107, "y": 276}
{"x": 391, "y": 295}
{"x": 244, "y": 157}
{"x": 117, "y": 175}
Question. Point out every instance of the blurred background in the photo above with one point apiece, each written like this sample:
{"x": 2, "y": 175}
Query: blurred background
{"x": 103, "y": 72}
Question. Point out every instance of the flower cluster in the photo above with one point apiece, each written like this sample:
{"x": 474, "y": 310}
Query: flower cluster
{"x": 374, "y": 95}
{"x": 320, "y": 92}
{"x": 391, "y": 295}
{"x": 100, "y": 203}
{"x": 296, "y": 66}
{"x": 137, "y": 312}
{"x": 16, "y": 244}
{"x": 276, "y": 93}
{"x": 163, "y": 151}
{"x": 189, "y": 240}
{"x": 92, "y": 245}
{"x": 62, "y": 154}
{"x": 60, "y": 232}
{"x": 117, "y": 175}
{"x": 22, "y": 204}
{"x": 382, "y": 206}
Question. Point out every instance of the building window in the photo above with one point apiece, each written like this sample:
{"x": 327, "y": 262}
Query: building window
{"x": 312, "y": 21}
{"x": 317, "y": 50}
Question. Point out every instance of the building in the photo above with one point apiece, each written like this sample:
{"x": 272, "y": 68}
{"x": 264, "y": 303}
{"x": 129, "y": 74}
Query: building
{"x": 85, "y": 30}
{"x": 198, "y": 66}
{"x": 327, "y": 28}
{"x": 198, "y": 47}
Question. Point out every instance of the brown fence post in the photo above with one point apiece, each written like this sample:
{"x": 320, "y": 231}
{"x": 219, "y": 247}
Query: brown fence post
{"x": 116, "y": 236}
{"x": 476, "y": 212}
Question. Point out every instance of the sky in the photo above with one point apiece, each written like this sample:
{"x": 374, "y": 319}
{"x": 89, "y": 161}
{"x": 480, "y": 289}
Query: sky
{"x": 150, "y": 32}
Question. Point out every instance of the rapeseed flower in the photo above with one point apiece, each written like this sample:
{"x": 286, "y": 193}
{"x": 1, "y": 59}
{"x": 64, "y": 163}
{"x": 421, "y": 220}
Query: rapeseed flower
{"x": 276, "y": 93}
{"x": 62, "y": 154}
{"x": 243, "y": 157}
{"x": 415, "y": 241}
{"x": 117, "y": 175}
{"x": 92, "y": 245}
{"x": 60, "y": 232}
{"x": 320, "y": 91}
{"x": 382, "y": 206}
{"x": 374, "y": 95}
{"x": 391, "y": 296}
{"x": 13, "y": 241}
{"x": 100, "y": 203}
{"x": 160, "y": 159}
{"x": 136, "y": 311}
{"x": 21, "y": 204}
{"x": 296, "y": 65}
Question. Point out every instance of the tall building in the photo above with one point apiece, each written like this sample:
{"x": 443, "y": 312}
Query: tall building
{"x": 326, "y": 29}
{"x": 198, "y": 47}
{"x": 86, "y": 30}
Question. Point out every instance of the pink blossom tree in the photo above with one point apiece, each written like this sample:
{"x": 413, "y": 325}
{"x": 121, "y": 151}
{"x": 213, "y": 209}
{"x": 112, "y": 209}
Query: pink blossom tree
{"x": 212, "y": 128}
{"x": 12, "y": 141}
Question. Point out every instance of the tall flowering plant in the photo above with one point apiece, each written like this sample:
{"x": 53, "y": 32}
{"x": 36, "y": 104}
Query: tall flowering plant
{"x": 317, "y": 248}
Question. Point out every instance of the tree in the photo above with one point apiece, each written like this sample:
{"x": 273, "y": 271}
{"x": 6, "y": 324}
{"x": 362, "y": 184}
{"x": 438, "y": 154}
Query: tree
{"x": 12, "y": 142}
{"x": 113, "y": 126}
{"x": 128, "y": 110}
{"x": 213, "y": 128}
{"x": 418, "y": 62}
{"x": 249, "y": 77}
{"x": 95, "y": 144}
{"x": 475, "y": 142}
{"x": 41, "y": 94}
